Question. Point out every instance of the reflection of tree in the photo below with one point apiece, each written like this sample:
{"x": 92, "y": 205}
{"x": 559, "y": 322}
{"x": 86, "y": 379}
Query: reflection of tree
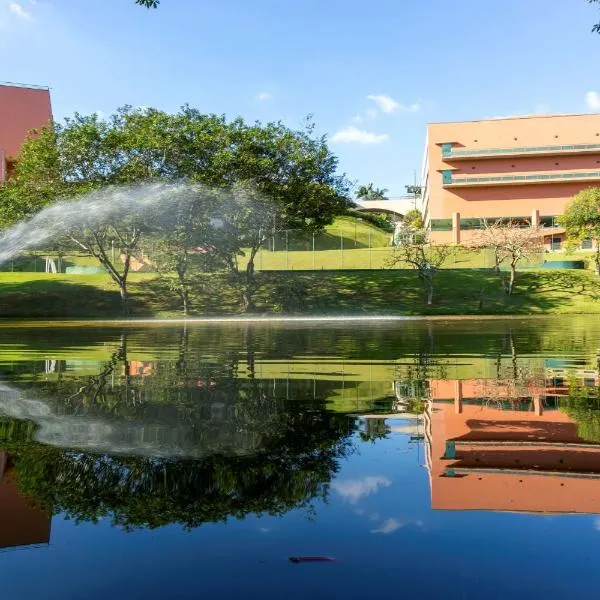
{"x": 582, "y": 404}
{"x": 290, "y": 470}
{"x": 374, "y": 429}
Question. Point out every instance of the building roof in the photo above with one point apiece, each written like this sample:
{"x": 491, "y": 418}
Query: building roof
{"x": 516, "y": 117}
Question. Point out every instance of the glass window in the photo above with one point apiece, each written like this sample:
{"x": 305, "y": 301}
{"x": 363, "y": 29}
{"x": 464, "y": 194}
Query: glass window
{"x": 586, "y": 244}
{"x": 556, "y": 243}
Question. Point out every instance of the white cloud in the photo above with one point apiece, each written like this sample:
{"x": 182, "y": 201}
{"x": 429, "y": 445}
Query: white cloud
{"x": 388, "y": 526}
{"x": 353, "y": 490}
{"x": 352, "y": 134}
{"x": 388, "y": 105}
{"x": 385, "y": 103}
{"x": 371, "y": 113}
{"x": 592, "y": 99}
{"x": 264, "y": 96}
{"x": 18, "y": 11}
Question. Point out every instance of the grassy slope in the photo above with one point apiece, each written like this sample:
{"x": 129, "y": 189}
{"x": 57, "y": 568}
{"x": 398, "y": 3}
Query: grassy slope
{"x": 361, "y": 292}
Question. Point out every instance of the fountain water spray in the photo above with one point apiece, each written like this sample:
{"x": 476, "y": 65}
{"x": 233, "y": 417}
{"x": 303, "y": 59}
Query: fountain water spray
{"x": 95, "y": 208}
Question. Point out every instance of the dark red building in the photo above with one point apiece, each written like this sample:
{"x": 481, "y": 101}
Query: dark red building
{"x": 22, "y": 108}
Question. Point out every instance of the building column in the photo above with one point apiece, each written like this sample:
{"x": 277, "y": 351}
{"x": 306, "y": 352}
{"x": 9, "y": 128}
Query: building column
{"x": 535, "y": 218}
{"x": 456, "y": 228}
{"x": 458, "y": 397}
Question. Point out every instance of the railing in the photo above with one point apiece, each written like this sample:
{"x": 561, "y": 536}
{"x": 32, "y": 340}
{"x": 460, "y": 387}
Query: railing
{"x": 449, "y": 152}
{"x": 448, "y": 180}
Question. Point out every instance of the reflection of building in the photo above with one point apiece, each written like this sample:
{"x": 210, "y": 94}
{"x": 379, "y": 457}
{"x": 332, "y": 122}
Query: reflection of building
{"x": 22, "y": 108}
{"x": 21, "y": 524}
{"x": 523, "y": 168}
{"x": 523, "y": 455}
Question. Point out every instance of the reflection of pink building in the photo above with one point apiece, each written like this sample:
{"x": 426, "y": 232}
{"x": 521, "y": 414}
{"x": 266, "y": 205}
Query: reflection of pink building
{"x": 21, "y": 524}
{"x": 516, "y": 458}
{"x": 22, "y": 109}
{"x": 526, "y": 168}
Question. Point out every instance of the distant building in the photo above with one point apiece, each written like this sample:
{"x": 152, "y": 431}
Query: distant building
{"x": 523, "y": 168}
{"x": 22, "y": 108}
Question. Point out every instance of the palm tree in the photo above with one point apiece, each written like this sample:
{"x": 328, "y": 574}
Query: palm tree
{"x": 370, "y": 192}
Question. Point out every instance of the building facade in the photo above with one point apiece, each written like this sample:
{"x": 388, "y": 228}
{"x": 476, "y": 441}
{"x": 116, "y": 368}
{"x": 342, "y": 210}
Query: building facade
{"x": 524, "y": 169}
{"x": 22, "y": 109}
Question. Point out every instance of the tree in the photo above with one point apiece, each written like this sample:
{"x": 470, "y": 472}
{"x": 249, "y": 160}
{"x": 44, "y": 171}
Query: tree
{"x": 414, "y": 219}
{"x": 416, "y": 251}
{"x": 148, "y": 3}
{"x": 512, "y": 243}
{"x": 581, "y": 219}
{"x": 270, "y": 176}
{"x": 370, "y": 192}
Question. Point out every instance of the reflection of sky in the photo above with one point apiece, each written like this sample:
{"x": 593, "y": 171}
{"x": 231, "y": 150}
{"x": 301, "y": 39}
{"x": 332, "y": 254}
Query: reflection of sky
{"x": 377, "y": 523}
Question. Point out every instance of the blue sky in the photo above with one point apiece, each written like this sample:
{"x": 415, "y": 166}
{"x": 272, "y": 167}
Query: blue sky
{"x": 372, "y": 73}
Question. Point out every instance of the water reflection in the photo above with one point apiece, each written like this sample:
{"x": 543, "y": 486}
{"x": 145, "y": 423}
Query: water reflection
{"x": 149, "y": 427}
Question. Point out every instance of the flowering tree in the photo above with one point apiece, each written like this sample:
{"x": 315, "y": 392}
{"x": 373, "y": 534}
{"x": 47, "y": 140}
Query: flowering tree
{"x": 511, "y": 243}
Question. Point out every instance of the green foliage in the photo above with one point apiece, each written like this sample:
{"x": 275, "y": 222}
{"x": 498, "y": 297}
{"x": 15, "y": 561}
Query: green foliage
{"x": 414, "y": 219}
{"x": 261, "y": 176}
{"x": 581, "y": 219}
{"x": 583, "y": 405}
{"x": 148, "y": 3}
{"x": 384, "y": 222}
{"x": 370, "y": 192}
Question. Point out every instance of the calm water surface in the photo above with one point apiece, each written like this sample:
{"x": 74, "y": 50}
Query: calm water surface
{"x": 456, "y": 459}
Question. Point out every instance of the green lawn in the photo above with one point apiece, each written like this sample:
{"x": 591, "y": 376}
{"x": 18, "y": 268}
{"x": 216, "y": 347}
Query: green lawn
{"x": 392, "y": 292}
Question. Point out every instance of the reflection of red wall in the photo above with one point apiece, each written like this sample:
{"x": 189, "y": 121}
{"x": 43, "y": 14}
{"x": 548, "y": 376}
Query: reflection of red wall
{"x": 514, "y": 491}
{"x": 21, "y": 524}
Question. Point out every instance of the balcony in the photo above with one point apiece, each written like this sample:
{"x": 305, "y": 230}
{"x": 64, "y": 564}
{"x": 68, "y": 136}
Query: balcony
{"x": 451, "y": 153}
{"x": 449, "y": 181}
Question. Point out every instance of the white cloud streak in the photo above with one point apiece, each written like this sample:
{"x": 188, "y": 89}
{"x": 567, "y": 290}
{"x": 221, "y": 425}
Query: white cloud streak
{"x": 354, "y": 135}
{"x": 385, "y": 103}
{"x": 264, "y": 96}
{"x": 388, "y": 105}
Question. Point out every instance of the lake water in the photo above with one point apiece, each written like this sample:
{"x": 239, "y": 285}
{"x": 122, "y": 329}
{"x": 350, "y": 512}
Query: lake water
{"x": 444, "y": 459}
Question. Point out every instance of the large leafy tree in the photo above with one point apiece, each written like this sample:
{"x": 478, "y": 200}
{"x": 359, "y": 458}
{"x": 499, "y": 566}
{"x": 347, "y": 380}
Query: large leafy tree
{"x": 289, "y": 177}
{"x": 581, "y": 219}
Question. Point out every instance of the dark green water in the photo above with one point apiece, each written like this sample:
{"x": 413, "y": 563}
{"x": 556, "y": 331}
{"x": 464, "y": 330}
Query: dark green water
{"x": 454, "y": 459}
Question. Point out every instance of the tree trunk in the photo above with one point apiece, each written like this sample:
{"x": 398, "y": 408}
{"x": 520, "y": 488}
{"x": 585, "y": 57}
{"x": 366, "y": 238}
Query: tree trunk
{"x": 511, "y": 281}
{"x": 597, "y": 257}
{"x": 429, "y": 292}
{"x": 124, "y": 297}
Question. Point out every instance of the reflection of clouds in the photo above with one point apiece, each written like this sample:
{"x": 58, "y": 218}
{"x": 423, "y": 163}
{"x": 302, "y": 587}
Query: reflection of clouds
{"x": 355, "y": 489}
{"x": 597, "y": 523}
{"x": 388, "y": 526}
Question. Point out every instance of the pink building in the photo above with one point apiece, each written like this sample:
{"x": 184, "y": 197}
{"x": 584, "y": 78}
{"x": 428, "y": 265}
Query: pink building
{"x": 22, "y": 109}
{"x": 524, "y": 168}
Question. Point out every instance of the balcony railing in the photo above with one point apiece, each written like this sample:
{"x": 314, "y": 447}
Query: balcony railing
{"x": 450, "y": 153}
{"x": 449, "y": 181}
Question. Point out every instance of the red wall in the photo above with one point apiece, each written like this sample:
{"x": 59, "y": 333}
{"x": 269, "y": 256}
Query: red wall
{"x": 21, "y": 110}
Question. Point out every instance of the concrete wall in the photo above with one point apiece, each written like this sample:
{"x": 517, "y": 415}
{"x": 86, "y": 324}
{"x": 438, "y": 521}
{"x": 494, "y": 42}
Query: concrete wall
{"x": 508, "y": 200}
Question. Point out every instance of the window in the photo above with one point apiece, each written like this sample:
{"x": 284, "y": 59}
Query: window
{"x": 556, "y": 243}
{"x": 586, "y": 244}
